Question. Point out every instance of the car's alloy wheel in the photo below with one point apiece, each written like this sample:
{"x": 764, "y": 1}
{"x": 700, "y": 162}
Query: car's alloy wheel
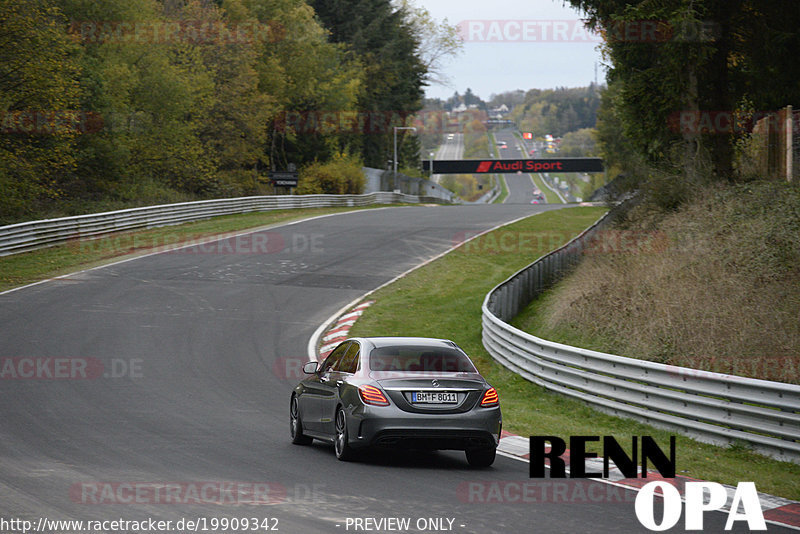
{"x": 481, "y": 457}
{"x": 342, "y": 448}
{"x": 296, "y": 426}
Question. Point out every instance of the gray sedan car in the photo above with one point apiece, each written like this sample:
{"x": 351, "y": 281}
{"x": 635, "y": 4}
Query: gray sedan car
{"x": 397, "y": 392}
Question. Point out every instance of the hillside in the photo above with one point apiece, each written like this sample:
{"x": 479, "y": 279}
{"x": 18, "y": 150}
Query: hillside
{"x": 714, "y": 285}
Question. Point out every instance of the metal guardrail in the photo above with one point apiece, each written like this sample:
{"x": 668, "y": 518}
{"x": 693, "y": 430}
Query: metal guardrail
{"x": 710, "y": 407}
{"x": 32, "y": 235}
{"x": 383, "y": 180}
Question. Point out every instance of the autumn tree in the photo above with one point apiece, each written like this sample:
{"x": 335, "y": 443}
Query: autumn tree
{"x": 383, "y": 40}
{"x": 39, "y": 114}
{"x": 557, "y": 111}
{"x": 129, "y": 102}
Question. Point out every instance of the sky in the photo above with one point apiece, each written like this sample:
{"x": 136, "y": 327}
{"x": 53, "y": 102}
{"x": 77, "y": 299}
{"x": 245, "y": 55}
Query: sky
{"x": 516, "y": 44}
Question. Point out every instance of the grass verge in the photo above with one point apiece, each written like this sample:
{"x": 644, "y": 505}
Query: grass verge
{"x": 549, "y": 196}
{"x": 713, "y": 286}
{"x": 443, "y": 299}
{"x": 503, "y": 189}
{"x": 28, "y": 267}
{"x": 499, "y": 178}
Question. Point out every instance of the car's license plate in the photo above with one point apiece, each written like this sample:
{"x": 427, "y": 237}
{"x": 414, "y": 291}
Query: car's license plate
{"x": 434, "y": 397}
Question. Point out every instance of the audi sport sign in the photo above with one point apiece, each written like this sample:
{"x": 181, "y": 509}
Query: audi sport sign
{"x": 497, "y": 166}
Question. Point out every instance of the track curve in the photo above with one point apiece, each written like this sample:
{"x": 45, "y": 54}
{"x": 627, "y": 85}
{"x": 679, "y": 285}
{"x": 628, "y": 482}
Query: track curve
{"x": 206, "y": 344}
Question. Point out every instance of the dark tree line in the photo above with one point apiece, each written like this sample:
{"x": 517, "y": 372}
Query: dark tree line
{"x": 706, "y": 57}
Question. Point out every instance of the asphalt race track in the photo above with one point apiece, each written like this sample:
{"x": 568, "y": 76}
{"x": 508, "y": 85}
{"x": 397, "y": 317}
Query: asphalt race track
{"x": 190, "y": 357}
{"x": 520, "y": 186}
{"x": 450, "y": 149}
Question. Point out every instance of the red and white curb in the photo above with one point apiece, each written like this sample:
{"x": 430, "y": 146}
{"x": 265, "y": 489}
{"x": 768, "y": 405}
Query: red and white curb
{"x": 312, "y": 350}
{"x": 777, "y": 510}
{"x": 340, "y": 328}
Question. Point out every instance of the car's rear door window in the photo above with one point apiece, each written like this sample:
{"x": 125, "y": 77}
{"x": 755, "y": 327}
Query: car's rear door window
{"x": 349, "y": 363}
{"x": 334, "y": 357}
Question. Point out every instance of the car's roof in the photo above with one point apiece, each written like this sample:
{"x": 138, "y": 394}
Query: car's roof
{"x": 407, "y": 341}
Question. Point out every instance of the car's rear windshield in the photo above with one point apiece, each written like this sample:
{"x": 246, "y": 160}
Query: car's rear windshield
{"x": 419, "y": 359}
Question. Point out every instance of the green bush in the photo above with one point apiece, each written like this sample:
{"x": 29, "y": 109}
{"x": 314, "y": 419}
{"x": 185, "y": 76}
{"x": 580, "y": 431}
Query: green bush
{"x": 340, "y": 176}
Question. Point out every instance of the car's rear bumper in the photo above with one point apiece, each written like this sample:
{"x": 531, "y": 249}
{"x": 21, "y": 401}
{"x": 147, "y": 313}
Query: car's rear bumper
{"x": 391, "y": 427}
{"x": 434, "y": 439}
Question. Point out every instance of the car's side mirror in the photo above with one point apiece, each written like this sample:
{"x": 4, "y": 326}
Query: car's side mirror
{"x": 310, "y": 368}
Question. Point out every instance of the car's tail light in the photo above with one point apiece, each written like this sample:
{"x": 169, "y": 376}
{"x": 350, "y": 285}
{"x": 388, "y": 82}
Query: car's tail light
{"x": 372, "y": 395}
{"x": 490, "y": 398}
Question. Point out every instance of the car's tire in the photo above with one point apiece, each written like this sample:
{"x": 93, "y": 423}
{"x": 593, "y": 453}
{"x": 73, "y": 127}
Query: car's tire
{"x": 341, "y": 446}
{"x": 481, "y": 457}
{"x": 296, "y": 425}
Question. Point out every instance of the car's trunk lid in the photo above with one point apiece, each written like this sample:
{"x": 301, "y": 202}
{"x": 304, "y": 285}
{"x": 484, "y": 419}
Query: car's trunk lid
{"x": 432, "y": 393}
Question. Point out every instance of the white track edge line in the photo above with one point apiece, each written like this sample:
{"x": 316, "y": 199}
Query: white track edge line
{"x": 314, "y": 339}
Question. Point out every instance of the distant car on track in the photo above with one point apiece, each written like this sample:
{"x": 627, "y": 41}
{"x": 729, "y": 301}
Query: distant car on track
{"x": 397, "y": 392}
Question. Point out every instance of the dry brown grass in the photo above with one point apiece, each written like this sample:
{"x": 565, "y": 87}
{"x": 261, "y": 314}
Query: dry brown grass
{"x": 712, "y": 286}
